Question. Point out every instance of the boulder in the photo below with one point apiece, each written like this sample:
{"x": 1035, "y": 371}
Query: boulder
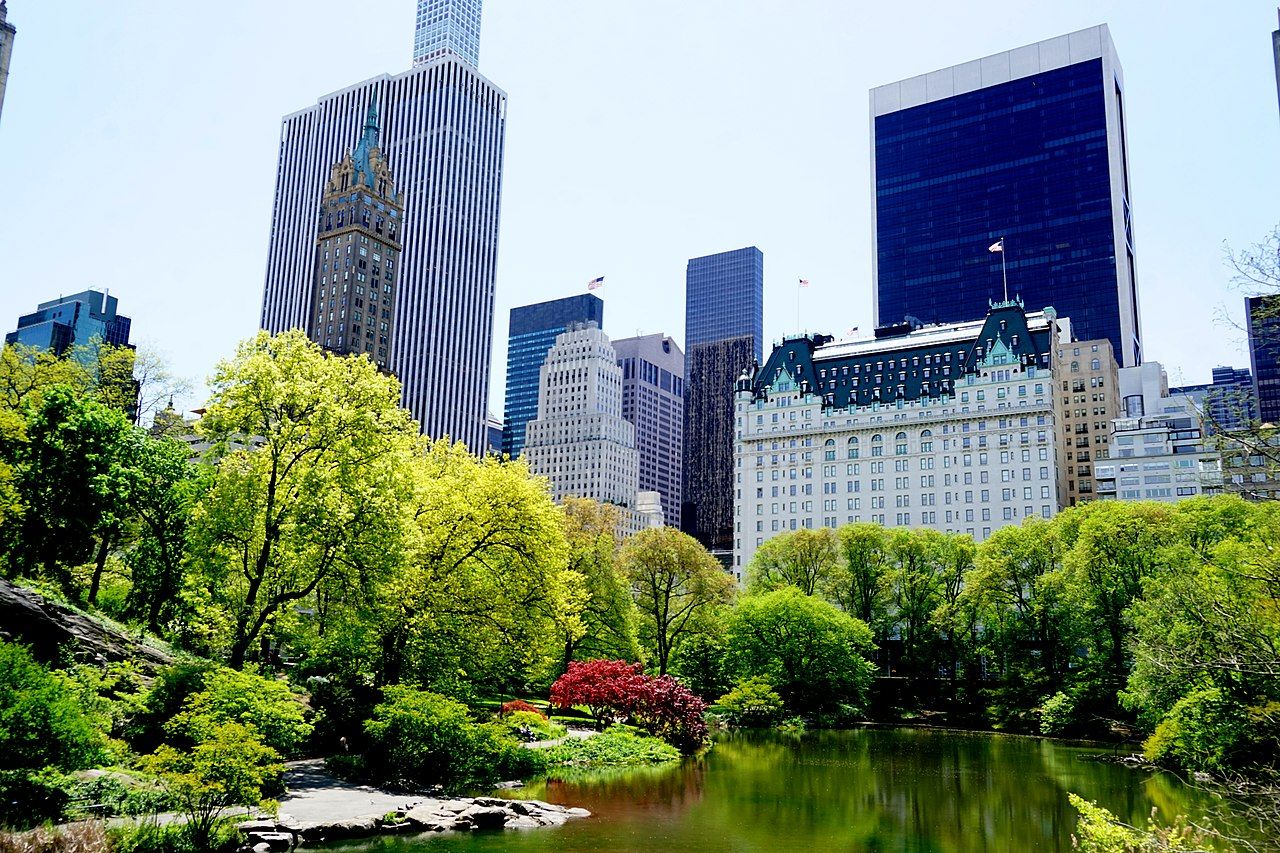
{"x": 273, "y": 840}
{"x": 486, "y": 816}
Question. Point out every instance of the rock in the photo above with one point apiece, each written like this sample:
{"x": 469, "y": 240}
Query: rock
{"x": 261, "y": 847}
{"x": 497, "y": 802}
{"x": 356, "y": 827}
{"x": 577, "y": 812}
{"x": 273, "y": 840}
{"x": 249, "y": 826}
{"x": 523, "y": 822}
{"x": 486, "y": 816}
{"x": 461, "y": 824}
{"x": 506, "y": 786}
{"x": 455, "y": 806}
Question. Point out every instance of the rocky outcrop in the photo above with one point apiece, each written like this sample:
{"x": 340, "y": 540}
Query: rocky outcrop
{"x": 49, "y": 628}
{"x": 465, "y": 814}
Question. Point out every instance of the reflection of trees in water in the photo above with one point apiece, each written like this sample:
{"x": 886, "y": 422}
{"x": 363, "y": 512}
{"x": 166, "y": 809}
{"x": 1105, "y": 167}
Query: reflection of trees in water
{"x": 649, "y": 793}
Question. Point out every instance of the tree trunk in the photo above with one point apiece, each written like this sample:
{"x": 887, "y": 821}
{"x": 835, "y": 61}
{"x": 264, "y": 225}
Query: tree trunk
{"x": 104, "y": 546}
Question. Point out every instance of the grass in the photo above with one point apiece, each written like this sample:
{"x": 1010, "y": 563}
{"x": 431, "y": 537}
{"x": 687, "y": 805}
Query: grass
{"x": 614, "y": 747}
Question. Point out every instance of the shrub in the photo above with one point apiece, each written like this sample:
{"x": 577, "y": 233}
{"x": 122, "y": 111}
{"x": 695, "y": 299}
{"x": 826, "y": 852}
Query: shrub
{"x": 519, "y": 705}
{"x": 418, "y": 738}
{"x": 606, "y": 687}
{"x": 42, "y": 723}
{"x": 31, "y": 797}
{"x": 150, "y": 837}
{"x": 342, "y": 704}
{"x": 267, "y": 705}
{"x": 517, "y": 723}
{"x": 666, "y": 708}
{"x": 87, "y": 837}
{"x": 164, "y": 701}
{"x": 111, "y": 796}
{"x": 614, "y": 747}
{"x": 1058, "y": 714}
{"x": 752, "y": 703}
{"x": 1204, "y": 730}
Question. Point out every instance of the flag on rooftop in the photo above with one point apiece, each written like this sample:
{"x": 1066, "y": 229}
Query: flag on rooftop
{"x": 804, "y": 282}
{"x": 595, "y": 282}
{"x": 851, "y": 332}
{"x": 997, "y": 246}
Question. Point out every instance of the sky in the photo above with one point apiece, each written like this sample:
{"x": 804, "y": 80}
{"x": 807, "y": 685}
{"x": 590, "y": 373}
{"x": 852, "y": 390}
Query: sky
{"x": 138, "y": 148}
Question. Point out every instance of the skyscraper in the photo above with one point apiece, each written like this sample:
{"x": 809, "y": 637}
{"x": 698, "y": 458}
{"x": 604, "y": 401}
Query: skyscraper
{"x": 7, "y": 32}
{"x": 1028, "y": 146}
{"x": 442, "y": 132}
{"x": 1264, "y": 354}
{"x": 530, "y": 334}
{"x": 579, "y": 441}
{"x": 357, "y": 250}
{"x": 447, "y": 26}
{"x": 653, "y": 401}
{"x": 724, "y": 322}
{"x": 1226, "y": 404}
{"x": 73, "y": 321}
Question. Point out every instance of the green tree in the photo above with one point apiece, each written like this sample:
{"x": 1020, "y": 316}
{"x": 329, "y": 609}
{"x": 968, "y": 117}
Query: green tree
{"x": 917, "y": 588}
{"x": 675, "y": 582}
{"x": 315, "y": 498}
{"x": 813, "y": 654}
{"x": 228, "y": 696}
{"x": 42, "y": 721}
{"x": 608, "y": 616}
{"x": 231, "y": 767}
{"x": 859, "y": 585}
{"x": 801, "y": 558}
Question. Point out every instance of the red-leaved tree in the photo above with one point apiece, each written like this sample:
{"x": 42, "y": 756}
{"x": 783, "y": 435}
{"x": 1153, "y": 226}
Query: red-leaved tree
{"x": 661, "y": 706}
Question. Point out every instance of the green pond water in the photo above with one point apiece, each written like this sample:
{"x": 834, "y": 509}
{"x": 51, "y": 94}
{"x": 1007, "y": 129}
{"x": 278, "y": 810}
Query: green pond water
{"x": 872, "y": 789}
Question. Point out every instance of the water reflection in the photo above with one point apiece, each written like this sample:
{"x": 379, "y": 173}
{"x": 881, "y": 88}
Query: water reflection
{"x": 869, "y": 790}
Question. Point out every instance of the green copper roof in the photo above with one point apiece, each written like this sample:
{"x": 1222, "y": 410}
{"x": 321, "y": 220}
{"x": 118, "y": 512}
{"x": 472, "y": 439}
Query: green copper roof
{"x": 364, "y": 148}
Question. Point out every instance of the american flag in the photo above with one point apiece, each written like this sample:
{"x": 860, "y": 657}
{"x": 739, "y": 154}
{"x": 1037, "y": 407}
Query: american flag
{"x": 804, "y": 282}
{"x": 595, "y": 282}
{"x": 997, "y": 246}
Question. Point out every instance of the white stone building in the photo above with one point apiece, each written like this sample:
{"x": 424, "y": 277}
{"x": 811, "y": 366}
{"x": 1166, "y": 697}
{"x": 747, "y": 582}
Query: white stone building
{"x": 950, "y": 427}
{"x": 579, "y": 441}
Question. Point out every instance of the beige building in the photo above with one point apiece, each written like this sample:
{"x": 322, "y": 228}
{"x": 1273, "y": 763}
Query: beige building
{"x": 1088, "y": 399}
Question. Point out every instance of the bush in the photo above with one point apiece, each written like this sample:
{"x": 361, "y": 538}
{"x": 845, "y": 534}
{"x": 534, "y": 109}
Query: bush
{"x": 614, "y": 747}
{"x": 606, "y": 687}
{"x": 517, "y": 723}
{"x": 661, "y": 706}
{"x": 164, "y": 701}
{"x": 267, "y": 705}
{"x": 42, "y": 723}
{"x": 1204, "y": 730}
{"x": 418, "y": 738}
{"x": 667, "y": 709}
{"x": 519, "y": 705}
{"x": 1058, "y": 714}
{"x": 32, "y": 797}
{"x": 112, "y": 796}
{"x": 150, "y": 837}
{"x": 752, "y": 703}
{"x": 342, "y": 704}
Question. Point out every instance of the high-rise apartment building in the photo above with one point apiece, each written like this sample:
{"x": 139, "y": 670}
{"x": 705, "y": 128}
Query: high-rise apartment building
{"x": 81, "y": 319}
{"x": 447, "y": 26}
{"x": 358, "y": 252}
{"x": 653, "y": 401}
{"x": 531, "y": 332}
{"x": 949, "y": 427}
{"x": 724, "y": 331}
{"x": 7, "y": 32}
{"x": 1088, "y": 391}
{"x": 580, "y": 442}
{"x": 1228, "y": 403}
{"x": 442, "y": 130}
{"x": 1027, "y": 146}
{"x": 1262, "y": 313}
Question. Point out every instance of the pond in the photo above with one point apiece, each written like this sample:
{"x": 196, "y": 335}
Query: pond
{"x": 904, "y": 790}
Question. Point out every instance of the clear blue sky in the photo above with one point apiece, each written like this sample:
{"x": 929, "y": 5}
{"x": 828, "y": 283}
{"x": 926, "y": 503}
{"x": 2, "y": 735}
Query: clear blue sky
{"x": 138, "y": 145}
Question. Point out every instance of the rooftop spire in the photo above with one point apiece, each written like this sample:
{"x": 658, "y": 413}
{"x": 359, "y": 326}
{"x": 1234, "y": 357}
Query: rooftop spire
{"x": 368, "y": 142}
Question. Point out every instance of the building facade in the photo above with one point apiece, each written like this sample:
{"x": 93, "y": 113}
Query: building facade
{"x": 531, "y": 332}
{"x": 724, "y": 334}
{"x": 1228, "y": 403}
{"x": 357, "y": 264}
{"x": 1262, "y": 313}
{"x": 442, "y": 128}
{"x": 579, "y": 441}
{"x": 1028, "y": 146}
{"x": 1088, "y": 389}
{"x": 7, "y": 33}
{"x": 447, "y": 27}
{"x": 653, "y": 401}
{"x": 948, "y": 427}
{"x": 1160, "y": 457}
{"x": 79, "y": 320}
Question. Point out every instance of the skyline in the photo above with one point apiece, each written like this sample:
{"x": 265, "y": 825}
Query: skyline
{"x": 616, "y": 171}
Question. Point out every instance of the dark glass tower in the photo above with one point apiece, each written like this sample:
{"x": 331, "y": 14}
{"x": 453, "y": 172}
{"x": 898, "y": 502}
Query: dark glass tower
{"x": 78, "y": 320}
{"x": 532, "y": 331}
{"x": 1263, "y": 314}
{"x": 724, "y": 331}
{"x": 1028, "y": 145}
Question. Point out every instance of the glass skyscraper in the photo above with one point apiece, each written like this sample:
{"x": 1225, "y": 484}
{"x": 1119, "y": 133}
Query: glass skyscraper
{"x": 73, "y": 321}
{"x": 447, "y": 26}
{"x": 1264, "y": 354}
{"x": 531, "y": 334}
{"x": 1028, "y": 146}
{"x": 724, "y": 331}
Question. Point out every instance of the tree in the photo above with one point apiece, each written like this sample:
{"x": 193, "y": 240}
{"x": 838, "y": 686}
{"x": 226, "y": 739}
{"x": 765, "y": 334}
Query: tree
{"x": 674, "y": 581}
{"x": 859, "y": 584}
{"x": 661, "y": 706}
{"x": 813, "y": 654}
{"x": 228, "y": 696}
{"x": 42, "y": 722}
{"x": 801, "y": 558}
{"x": 231, "y": 767}
{"x": 315, "y": 495}
{"x": 916, "y": 584}
{"x": 606, "y": 687}
{"x": 608, "y": 616}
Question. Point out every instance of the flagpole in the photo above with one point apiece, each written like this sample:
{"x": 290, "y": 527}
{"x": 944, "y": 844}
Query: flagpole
{"x": 1004, "y": 273}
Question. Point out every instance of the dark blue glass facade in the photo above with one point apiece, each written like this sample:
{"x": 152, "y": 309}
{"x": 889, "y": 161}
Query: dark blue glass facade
{"x": 1025, "y": 160}
{"x": 73, "y": 321}
{"x": 1264, "y": 354}
{"x": 724, "y": 298}
{"x": 531, "y": 333}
